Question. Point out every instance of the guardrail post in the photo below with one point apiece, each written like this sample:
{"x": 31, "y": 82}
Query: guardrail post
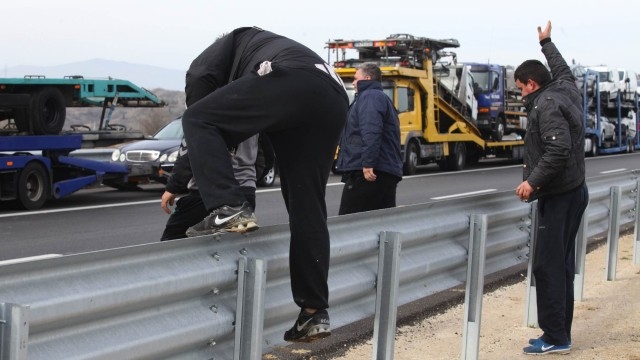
{"x": 531, "y": 304}
{"x": 581, "y": 256}
{"x": 636, "y": 231}
{"x": 474, "y": 288}
{"x": 384, "y": 327}
{"x": 614, "y": 232}
{"x": 252, "y": 283}
{"x": 14, "y": 331}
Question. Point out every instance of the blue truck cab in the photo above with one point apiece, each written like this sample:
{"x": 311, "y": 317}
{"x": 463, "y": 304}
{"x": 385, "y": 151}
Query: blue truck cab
{"x": 490, "y": 92}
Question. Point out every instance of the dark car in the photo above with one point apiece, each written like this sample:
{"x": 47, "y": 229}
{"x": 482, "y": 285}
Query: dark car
{"x": 149, "y": 160}
{"x": 153, "y": 159}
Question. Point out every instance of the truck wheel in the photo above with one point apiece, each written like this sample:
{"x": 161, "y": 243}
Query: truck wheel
{"x": 411, "y": 159}
{"x": 47, "y": 111}
{"x": 498, "y": 133}
{"x": 457, "y": 156}
{"x": 593, "y": 150}
{"x": 268, "y": 177}
{"x": 33, "y": 186}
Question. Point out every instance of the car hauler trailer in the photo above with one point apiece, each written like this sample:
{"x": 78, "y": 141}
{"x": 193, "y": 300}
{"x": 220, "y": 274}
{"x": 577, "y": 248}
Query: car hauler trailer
{"x": 35, "y": 105}
{"x": 36, "y": 160}
{"x": 436, "y": 125}
{"x": 611, "y": 126}
{"x": 35, "y": 168}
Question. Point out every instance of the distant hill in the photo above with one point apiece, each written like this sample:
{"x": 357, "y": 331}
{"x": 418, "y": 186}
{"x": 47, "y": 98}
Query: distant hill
{"x": 146, "y": 76}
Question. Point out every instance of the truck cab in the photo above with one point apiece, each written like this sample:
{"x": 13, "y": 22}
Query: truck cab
{"x": 489, "y": 90}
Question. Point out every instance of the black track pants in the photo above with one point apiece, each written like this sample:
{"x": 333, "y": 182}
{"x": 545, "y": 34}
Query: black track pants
{"x": 302, "y": 111}
{"x": 360, "y": 195}
{"x": 559, "y": 219}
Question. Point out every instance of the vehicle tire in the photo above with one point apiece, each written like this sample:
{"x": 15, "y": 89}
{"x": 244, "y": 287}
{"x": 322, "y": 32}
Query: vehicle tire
{"x": 457, "y": 156}
{"x": 33, "y": 186}
{"x": 47, "y": 111}
{"x": 268, "y": 177}
{"x": 625, "y": 133}
{"x": 410, "y": 166}
{"x": 498, "y": 133}
{"x": 593, "y": 150}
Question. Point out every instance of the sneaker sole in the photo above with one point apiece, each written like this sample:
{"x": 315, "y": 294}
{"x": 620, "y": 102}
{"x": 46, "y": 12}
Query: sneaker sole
{"x": 533, "y": 341}
{"x": 238, "y": 229}
{"x": 243, "y": 228}
{"x": 558, "y": 352}
{"x": 315, "y": 333}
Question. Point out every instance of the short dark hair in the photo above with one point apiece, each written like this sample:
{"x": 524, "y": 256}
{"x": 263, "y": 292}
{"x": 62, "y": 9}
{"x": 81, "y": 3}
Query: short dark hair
{"x": 532, "y": 70}
{"x": 371, "y": 70}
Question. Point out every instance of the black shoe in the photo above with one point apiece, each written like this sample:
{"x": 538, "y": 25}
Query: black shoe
{"x": 309, "y": 327}
{"x": 238, "y": 219}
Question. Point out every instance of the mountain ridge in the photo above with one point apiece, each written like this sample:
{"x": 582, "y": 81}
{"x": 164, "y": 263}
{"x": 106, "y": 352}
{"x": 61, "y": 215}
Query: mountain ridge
{"x": 146, "y": 76}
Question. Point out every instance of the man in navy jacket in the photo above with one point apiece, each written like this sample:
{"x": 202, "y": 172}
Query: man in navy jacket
{"x": 370, "y": 156}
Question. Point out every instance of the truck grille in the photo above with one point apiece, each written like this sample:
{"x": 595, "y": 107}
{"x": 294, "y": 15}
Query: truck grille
{"x": 142, "y": 156}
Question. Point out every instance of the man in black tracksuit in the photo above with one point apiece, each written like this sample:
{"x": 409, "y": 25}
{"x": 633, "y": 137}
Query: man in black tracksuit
{"x": 554, "y": 174}
{"x": 252, "y": 81}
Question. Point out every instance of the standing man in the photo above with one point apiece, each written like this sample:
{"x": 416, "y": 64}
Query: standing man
{"x": 250, "y": 81}
{"x": 370, "y": 156}
{"x": 554, "y": 175}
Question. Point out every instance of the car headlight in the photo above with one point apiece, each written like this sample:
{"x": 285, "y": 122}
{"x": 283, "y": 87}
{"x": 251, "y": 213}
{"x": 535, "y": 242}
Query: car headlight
{"x": 115, "y": 155}
{"x": 163, "y": 158}
{"x": 173, "y": 157}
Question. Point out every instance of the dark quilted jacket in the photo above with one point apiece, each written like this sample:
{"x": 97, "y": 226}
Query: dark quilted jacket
{"x": 554, "y": 142}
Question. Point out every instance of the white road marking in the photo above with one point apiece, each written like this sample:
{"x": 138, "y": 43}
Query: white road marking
{"x": 613, "y": 171}
{"x": 464, "y": 194}
{"x": 30, "y": 258}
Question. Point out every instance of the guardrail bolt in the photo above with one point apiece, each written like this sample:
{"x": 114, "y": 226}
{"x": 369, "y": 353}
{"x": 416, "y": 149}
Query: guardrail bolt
{"x": 211, "y": 342}
{"x": 243, "y": 251}
{"x": 215, "y": 291}
{"x": 216, "y": 256}
{"x": 214, "y": 308}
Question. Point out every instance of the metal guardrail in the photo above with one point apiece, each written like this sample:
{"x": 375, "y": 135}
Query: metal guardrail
{"x": 179, "y": 299}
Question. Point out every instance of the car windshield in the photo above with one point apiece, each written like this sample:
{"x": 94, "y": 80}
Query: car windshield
{"x": 578, "y": 71}
{"x": 481, "y": 80}
{"x": 604, "y": 76}
{"x": 387, "y": 88}
{"x": 172, "y": 130}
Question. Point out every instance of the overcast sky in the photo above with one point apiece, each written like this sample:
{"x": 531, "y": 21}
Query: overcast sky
{"x": 170, "y": 34}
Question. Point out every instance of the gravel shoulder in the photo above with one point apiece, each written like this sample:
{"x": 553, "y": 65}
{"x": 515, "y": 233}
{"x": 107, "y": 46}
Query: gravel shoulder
{"x": 606, "y": 321}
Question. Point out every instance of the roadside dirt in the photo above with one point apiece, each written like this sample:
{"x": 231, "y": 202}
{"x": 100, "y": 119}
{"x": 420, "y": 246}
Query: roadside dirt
{"x": 606, "y": 321}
